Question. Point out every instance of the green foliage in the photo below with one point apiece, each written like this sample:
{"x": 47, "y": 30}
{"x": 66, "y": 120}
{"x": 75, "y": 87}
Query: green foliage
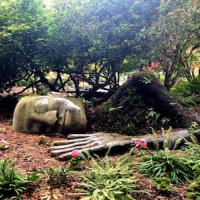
{"x": 172, "y": 37}
{"x": 195, "y": 85}
{"x": 163, "y": 183}
{"x": 165, "y": 164}
{"x": 11, "y": 183}
{"x": 196, "y": 168}
{"x": 193, "y": 150}
{"x": 56, "y": 176}
{"x": 75, "y": 163}
{"x": 194, "y": 189}
{"x": 117, "y": 37}
{"x": 187, "y": 92}
{"x": 106, "y": 179}
{"x": 169, "y": 142}
{"x": 44, "y": 141}
{"x": 22, "y": 27}
{"x": 152, "y": 117}
{"x": 194, "y": 129}
{"x": 183, "y": 94}
{"x": 43, "y": 91}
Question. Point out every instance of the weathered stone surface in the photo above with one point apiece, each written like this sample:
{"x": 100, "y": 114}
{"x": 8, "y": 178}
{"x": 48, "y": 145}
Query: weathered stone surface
{"x": 102, "y": 142}
{"x": 49, "y": 115}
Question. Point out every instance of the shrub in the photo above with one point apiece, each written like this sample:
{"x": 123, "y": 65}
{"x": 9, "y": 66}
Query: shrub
{"x": 109, "y": 180}
{"x": 11, "y": 183}
{"x": 165, "y": 164}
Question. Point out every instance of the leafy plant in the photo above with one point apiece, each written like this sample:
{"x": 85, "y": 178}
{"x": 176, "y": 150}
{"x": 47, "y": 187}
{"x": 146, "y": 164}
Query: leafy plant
{"x": 44, "y": 141}
{"x": 152, "y": 116}
{"x": 56, "y": 176}
{"x": 11, "y": 183}
{"x": 194, "y": 189}
{"x": 75, "y": 162}
{"x": 193, "y": 150}
{"x": 165, "y": 164}
{"x": 76, "y": 159}
{"x": 196, "y": 168}
{"x": 163, "y": 183}
{"x": 108, "y": 180}
{"x": 183, "y": 94}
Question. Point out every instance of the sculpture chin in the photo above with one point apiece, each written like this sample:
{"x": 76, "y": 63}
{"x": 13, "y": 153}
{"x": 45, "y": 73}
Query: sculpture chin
{"x": 49, "y": 115}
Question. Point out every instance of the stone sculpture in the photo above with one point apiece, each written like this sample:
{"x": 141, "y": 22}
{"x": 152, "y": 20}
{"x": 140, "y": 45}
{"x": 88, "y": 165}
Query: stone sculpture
{"x": 99, "y": 142}
{"x": 129, "y": 105}
{"x": 49, "y": 115}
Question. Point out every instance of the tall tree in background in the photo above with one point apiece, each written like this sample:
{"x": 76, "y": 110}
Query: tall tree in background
{"x": 174, "y": 39}
{"x": 95, "y": 41}
{"x": 22, "y": 31}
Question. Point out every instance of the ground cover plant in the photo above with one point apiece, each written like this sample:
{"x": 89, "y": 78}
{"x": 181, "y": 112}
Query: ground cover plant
{"x": 55, "y": 176}
{"x": 164, "y": 164}
{"x": 11, "y": 183}
{"x": 107, "y": 179}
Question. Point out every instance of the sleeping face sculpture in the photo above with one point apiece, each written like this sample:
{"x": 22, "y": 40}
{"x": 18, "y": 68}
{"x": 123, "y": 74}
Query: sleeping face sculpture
{"x": 49, "y": 115}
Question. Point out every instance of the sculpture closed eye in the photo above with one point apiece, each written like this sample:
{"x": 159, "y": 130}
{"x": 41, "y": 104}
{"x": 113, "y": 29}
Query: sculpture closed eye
{"x": 48, "y": 115}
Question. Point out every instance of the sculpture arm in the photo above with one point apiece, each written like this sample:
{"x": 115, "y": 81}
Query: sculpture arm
{"x": 105, "y": 141}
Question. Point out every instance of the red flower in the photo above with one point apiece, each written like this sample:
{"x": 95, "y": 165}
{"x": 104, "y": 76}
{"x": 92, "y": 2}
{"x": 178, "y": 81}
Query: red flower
{"x": 140, "y": 143}
{"x": 74, "y": 153}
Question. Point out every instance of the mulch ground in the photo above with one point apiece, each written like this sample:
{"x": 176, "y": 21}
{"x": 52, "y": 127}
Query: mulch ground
{"x": 29, "y": 156}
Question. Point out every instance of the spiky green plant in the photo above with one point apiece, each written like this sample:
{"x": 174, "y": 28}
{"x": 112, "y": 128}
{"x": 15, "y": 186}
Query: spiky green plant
{"x": 165, "y": 164}
{"x": 193, "y": 150}
{"x": 108, "y": 180}
{"x": 194, "y": 189}
{"x": 11, "y": 183}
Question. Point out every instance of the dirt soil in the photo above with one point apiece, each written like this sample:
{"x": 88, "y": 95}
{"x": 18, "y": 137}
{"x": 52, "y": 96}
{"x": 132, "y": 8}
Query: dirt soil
{"x": 29, "y": 156}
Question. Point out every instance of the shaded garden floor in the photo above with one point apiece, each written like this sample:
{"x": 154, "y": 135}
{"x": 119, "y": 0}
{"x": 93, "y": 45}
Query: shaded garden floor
{"x": 28, "y": 156}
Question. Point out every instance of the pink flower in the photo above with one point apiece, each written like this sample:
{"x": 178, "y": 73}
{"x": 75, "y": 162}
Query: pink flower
{"x": 140, "y": 143}
{"x": 136, "y": 150}
{"x": 2, "y": 141}
{"x": 74, "y": 153}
